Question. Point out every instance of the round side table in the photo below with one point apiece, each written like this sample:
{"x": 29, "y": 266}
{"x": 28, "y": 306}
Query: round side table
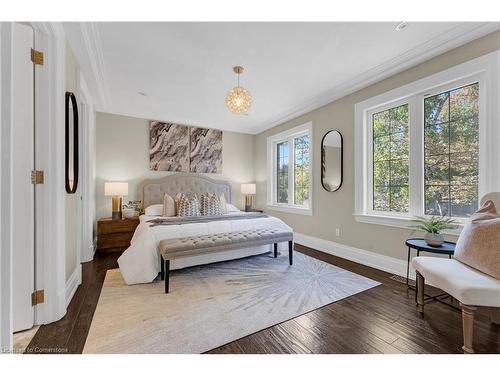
{"x": 419, "y": 244}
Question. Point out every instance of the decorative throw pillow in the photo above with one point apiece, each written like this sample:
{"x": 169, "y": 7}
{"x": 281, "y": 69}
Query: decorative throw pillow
{"x": 177, "y": 199}
{"x": 210, "y": 204}
{"x": 479, "y": 243}
{"x": 188, "y": 206}
{"x": 223, "y": 204}
{"x": 168, "y": 206}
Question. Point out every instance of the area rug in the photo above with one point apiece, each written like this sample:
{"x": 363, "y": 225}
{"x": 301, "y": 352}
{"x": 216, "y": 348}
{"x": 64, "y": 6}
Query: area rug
{"x": 211, "y": 305}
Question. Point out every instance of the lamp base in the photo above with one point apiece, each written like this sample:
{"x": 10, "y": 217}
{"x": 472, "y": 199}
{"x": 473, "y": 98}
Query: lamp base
{"x": 116, "y": 211}
{"x": 248, "y": 203}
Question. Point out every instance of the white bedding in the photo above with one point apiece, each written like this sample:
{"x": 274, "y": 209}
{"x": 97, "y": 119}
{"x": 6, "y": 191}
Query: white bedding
{"x": 140, "y": 262}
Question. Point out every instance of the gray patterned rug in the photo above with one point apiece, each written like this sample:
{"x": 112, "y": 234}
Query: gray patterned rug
{"x": 211, "y": 305}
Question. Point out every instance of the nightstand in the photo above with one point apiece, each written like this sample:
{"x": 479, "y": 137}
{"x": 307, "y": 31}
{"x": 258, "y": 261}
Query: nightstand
{"x": 115, "y": 235}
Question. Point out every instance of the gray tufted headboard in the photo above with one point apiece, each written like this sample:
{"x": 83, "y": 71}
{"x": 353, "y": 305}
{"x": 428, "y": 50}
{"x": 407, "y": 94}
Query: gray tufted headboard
{"x": 151, "y": 191}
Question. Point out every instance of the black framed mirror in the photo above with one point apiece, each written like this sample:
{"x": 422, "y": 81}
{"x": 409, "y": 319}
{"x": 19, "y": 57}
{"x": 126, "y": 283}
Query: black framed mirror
{"x": 332, "y": 160}
{"x": 71, "y": 143}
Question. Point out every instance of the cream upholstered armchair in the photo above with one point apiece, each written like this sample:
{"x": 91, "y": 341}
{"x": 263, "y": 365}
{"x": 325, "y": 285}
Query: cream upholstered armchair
{"x": 470, "y": 287}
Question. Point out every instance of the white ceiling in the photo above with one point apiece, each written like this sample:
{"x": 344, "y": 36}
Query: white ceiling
{"x": 185, "y": 69}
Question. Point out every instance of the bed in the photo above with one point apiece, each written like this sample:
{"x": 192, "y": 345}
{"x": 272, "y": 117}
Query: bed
{"x": 140, "y": 262}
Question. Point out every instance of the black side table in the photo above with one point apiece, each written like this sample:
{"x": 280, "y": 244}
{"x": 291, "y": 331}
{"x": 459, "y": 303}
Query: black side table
{"x": 419, "y": 244}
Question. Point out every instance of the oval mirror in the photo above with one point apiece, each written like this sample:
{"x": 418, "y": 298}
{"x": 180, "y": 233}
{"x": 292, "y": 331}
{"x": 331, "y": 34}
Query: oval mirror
{"x": 332, "y": 160}
{"x": 71, "y": 143}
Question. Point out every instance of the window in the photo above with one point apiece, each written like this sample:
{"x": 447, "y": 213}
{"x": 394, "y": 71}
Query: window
{"x": 451, "y": 160}
{"x": 428, "y": 148}
{"x": 390, "y": 160}
{"x": 290, "y": 169}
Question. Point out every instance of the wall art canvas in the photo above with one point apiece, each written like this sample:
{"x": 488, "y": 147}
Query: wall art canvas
{"x": 168, "y": 147}
{"x": 205, "y": 150}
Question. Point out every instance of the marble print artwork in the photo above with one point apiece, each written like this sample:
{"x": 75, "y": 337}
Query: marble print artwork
{"x": 205, "y": 150}
{"x": 211, "y": 305}
{"x": 168, "y": 147}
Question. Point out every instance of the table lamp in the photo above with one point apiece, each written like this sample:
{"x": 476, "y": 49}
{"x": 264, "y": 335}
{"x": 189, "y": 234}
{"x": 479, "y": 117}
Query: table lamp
{"x": 248, "y": 190}
{"x": 116, "y": 190}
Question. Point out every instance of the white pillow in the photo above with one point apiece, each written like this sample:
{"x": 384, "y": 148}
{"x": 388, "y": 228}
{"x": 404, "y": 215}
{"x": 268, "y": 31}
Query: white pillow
{"x": 231, "y": 208}
{"x": 223, "y": 203}
{"x": 168, "y": 206}
{"x": 154, "y": 210}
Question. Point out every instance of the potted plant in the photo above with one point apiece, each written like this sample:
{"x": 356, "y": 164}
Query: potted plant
{"x": 132, "y": 209}
{"x": 433, "y": 226}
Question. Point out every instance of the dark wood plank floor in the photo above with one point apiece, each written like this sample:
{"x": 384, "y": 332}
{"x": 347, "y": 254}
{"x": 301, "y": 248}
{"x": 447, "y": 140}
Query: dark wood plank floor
{"x": 380, "y": 320}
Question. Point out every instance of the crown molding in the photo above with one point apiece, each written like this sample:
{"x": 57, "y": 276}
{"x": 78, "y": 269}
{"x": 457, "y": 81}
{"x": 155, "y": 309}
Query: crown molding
{"x": 459, "y": 35}
{"x": 92, "y": 41}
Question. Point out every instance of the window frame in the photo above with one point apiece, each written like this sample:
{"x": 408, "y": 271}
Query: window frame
{"x": 369, "y": 115}
{"x": 484, "y": 71}
{"x": 272, "y": 141}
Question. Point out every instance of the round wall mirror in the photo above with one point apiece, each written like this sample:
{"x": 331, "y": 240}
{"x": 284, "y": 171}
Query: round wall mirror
{"x": 332, "y": 160}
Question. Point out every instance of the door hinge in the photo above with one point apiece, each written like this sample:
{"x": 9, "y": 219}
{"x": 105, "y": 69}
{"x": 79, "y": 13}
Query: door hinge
{"x": 36, "y": 177}
{"x": 37, "y": 297}
{"x": 36, "y": 57}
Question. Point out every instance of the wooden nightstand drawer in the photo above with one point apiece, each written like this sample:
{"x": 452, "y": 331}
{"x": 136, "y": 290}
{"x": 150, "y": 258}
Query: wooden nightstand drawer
{"x": 112, "y": 240}
{"x": 107, "y": 226}
{"x": 115, "y": 235}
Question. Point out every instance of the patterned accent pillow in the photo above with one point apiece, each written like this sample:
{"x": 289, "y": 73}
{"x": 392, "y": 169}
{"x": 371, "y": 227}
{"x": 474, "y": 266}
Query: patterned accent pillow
{"x": 188, "y": 206}
{"x": 210, "y": 204}
{"x": 177, "y": 199}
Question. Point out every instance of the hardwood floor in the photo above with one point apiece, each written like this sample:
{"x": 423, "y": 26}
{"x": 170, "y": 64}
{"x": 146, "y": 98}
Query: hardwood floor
{"x": 380, "y": 320}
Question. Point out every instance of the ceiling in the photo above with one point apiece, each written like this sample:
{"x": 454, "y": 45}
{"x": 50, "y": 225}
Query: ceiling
{"x": 185, "y": 69}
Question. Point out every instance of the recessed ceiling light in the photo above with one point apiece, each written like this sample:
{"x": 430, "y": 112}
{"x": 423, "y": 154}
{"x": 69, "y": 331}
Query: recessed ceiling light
{"x": 141, "y": 93}
{"x": 400, "y": 26}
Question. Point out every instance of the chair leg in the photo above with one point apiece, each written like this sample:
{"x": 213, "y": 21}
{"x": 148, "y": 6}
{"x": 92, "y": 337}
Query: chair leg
{"x": 167, "y": 275}
{"x": 468, "y": 327}
{"x": 275, "y": 250}
{"x": 420, "y": 284}
{"x": 162, "y": 272}
{"x": 290, "y": 252}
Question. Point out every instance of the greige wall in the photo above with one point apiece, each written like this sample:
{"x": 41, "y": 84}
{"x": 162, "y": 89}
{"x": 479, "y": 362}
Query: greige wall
{"x": 70, "y": 201}
{"x": 335, "y": 210}
{"x": 122, "y": 154}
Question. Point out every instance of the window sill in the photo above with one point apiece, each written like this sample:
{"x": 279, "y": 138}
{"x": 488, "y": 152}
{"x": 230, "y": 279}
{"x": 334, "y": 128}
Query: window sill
{"x": 290, "y": 209}
{"x": 400, "y": 222}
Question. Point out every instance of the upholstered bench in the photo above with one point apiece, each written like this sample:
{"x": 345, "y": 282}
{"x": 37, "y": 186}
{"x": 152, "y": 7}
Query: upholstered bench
{"x": 213, "y": 243}
{"x": 469, "y": 286}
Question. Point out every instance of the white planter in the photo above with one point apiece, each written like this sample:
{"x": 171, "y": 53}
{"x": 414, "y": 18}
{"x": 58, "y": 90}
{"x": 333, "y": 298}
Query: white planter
{"x": 434, "y": 240}
{"x": 129, "y": 213}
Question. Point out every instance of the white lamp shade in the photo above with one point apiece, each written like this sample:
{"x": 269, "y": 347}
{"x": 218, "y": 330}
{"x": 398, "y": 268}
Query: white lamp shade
{"x": 248, "y": 189}
{"x": 116, "y": 188}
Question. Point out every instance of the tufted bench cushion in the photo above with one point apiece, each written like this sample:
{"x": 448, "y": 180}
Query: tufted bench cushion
{"x": 212, "y": 243}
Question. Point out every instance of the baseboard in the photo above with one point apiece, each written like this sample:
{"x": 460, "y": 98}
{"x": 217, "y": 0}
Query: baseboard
{"x": 72, "y": 283}
{"x": 368, "y": 258}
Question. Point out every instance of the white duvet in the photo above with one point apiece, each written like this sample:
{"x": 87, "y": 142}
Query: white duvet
{"x": 140, "y": 262}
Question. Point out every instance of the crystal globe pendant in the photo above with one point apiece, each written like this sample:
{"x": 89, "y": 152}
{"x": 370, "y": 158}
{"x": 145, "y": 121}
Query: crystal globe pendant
{"x": 238, "y": 99}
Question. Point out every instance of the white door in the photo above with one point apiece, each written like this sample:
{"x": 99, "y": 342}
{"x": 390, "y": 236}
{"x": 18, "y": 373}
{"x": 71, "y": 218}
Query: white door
{"x": 23, "y": 192}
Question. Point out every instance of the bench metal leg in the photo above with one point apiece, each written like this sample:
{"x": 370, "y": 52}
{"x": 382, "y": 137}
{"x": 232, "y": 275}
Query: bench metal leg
{"x": 290, "y": 252}
{"x": 420, "y": 285}
{"x": 167, "y": 274}
{"x": 275, "y": 250}
{"x": 162, "y": 272}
